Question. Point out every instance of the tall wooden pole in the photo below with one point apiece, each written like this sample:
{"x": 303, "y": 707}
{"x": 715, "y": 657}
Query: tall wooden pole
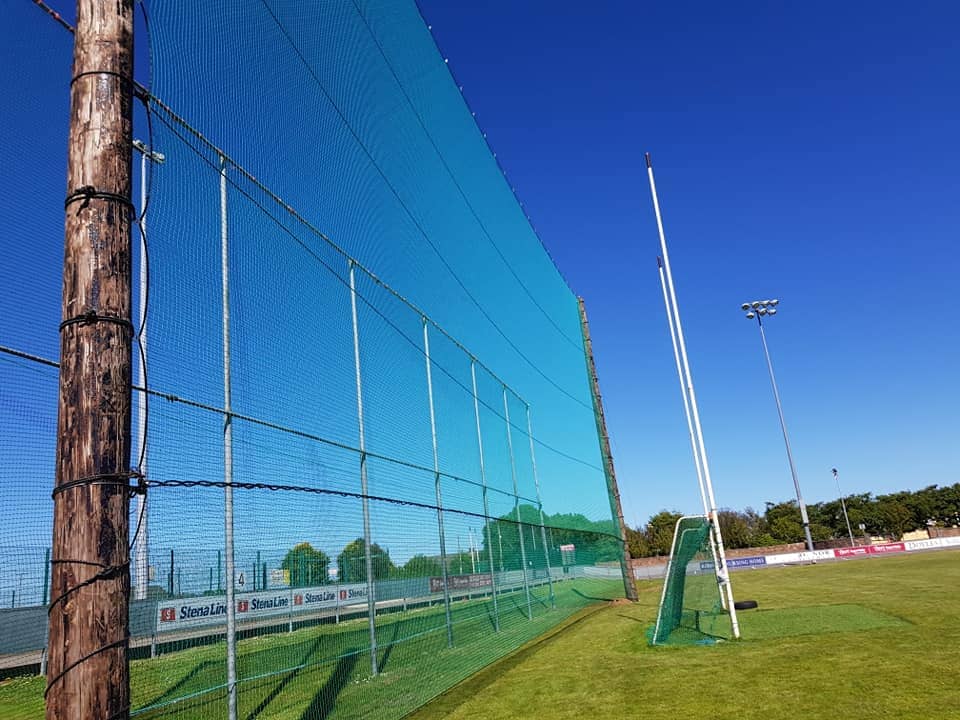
{"x": 613, "y": 491}
{"x": 87, "y": 671}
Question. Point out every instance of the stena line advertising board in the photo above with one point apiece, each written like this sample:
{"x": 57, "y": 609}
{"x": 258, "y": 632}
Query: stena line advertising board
{"x": 212, "y": 610}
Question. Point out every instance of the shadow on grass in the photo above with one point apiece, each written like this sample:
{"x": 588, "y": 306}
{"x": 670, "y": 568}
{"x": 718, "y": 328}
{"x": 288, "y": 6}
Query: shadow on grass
{"x": 492, "y": 616}
{"x": 172, "y": 692}
{"x": 590, "y": 597}
{"x": 286, "y": 679}
{"x": 325, "y": 700}
{"x": 385, "y": 658}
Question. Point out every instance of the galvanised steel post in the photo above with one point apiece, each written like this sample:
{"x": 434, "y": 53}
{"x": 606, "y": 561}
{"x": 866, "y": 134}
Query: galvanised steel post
{"x": 436, "y": 477}
{"x": 365, "y": 502}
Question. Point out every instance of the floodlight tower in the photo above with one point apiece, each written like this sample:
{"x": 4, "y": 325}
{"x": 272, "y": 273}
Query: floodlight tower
{"x": 843, "y": 504}
{"x": 758, "y": 309}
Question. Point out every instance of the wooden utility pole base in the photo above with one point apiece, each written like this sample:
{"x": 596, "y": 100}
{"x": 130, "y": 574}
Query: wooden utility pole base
{"x": 87, "y": 671}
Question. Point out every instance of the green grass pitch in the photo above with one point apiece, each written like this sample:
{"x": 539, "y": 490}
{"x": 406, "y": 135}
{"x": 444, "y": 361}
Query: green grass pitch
{"x": 876, "y": 639}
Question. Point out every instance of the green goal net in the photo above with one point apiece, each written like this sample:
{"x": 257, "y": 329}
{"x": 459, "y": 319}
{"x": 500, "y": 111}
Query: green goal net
{"x": 691, "y": 607}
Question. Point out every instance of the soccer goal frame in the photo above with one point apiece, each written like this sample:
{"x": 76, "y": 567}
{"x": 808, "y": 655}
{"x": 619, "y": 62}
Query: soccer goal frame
{"x": 670, "y": 581}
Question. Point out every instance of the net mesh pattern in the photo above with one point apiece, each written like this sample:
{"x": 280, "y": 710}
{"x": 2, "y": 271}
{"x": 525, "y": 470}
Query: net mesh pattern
{"x": 415, "y": 475}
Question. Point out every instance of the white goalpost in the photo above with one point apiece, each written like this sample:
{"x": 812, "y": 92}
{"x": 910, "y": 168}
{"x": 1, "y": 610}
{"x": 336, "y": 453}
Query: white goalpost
{"x": 693, "y": 417}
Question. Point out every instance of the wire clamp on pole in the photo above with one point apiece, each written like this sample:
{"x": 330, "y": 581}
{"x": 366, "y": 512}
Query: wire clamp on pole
{"x": 110, "y": 73}
{"x": 92, "y": 316}
{"x": 121, "y": 479}
{"x": 86, "y": 193}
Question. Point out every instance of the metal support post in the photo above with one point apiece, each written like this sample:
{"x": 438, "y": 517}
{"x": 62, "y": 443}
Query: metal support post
{"x": 142, "y": 539}
{"x": 786, "y": 440}
{"x": 436, "y": 478}
{"x": 46, "y": 626}
{"x": 516, "y": 505}
{"x": 543, "y": 529}
{"x": 228, "y": 454}
{"x": 368, "y": 559}
{"x": 843, "y": 505}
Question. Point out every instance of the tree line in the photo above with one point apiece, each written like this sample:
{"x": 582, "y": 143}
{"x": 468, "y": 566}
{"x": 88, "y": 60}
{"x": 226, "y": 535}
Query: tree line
{"x": 883, "y": 515}
{"x": 498, "y": 539}
{"x": 497, "y": 543}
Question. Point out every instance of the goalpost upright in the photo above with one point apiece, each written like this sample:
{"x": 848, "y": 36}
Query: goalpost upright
{"x": 723, "y": 576}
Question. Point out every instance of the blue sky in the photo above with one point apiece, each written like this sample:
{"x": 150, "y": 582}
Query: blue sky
{"x": 806, "y": 152}
{"x": 808, "y": 156}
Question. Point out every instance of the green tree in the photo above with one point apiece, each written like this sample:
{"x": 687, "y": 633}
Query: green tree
{"x": 637, "y": 543}
{"x": 659, "y": 532}
{"x": 462, "y": 563}
{"x": 787, "y": 530}
{"x": 352, "y": 562}
{"x": 421, "y": 566}
{"x": 735, "y": 529}
{"x": 306, "y": 565}
{"x": 894, "y": 517}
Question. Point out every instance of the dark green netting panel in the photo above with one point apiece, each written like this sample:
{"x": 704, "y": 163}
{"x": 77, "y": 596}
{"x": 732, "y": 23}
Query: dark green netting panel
{"x": 338, "y": 266}
{"x": 691, "y": 608}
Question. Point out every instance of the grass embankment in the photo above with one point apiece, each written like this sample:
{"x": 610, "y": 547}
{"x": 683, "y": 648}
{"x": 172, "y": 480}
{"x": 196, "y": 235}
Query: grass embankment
{"x": 876, "y": 639}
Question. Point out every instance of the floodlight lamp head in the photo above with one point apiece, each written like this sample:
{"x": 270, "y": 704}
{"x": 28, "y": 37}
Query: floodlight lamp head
{"x": 762, "y": 311}
{"x": 775, "y": 302}
{"x": 745, "y": 306}
{"x": 755, "y": 304}
{"x": 772, "y": 311}
{"x": 751, "y": 315}
{"x": 152, "y": 155}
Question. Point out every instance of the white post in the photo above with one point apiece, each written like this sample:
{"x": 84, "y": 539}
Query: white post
{"x": 516, "y": 505}
{"x": 543, "y": 530}
{"x": 436, "y": 479}
{"x": 473, "y": 560}
{"x": 686, "y": 410}
{"x": 723, "y": 575}
{"x": 371, "y": 588}
{"x": 500, "y": 542}
{"x": 142, "y": 549}
{"x": 228, "y": 454}
{"x": 486, "y": 507}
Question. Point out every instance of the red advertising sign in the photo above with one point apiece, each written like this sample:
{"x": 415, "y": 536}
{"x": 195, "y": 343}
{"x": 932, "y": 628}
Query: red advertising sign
{"x": 888, "y": 548}
{"x": 851, "y": 551}
{"x": 860, "y": 551}
{"x": 168, "y": 614}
